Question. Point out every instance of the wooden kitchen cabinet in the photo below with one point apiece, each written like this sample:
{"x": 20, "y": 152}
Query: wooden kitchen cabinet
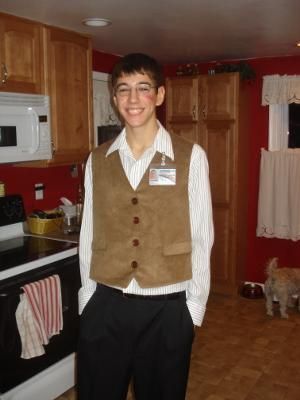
{"x": 182, "y": 99}
{"x": 182, "y": 106}
{"x": 218, "y": 97}
{"x": 69, "y": 84}
{"x": 20, "y": 55}
{"x": 221, "y": 128}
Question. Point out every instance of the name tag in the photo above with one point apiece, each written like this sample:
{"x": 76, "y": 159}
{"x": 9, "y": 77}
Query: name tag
{"x": 162, "y": 175}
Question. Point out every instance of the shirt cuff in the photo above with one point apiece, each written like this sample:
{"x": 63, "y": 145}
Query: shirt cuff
{"x": 84, "y": 295}
{"x": 197, "y": 312}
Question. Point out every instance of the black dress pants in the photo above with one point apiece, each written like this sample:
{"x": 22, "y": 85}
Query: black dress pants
{"x": 147, "y": 341}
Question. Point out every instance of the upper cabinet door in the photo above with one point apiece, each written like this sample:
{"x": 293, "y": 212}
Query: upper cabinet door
{"x": 182, "y": 99}
{"x": 69, "y": 81}
{"x": 20, "y": 55}
{"x": 218, "y": 94}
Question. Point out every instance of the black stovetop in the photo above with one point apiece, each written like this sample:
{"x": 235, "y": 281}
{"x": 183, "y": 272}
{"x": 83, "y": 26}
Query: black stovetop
{"x": 23, "y": 249}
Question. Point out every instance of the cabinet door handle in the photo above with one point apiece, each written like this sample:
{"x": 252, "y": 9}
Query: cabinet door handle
{"x": 53, "y": 147}
{"x": 194, "y": 113}
{"x": 204, "y": 112}
{"x": 4, "y": 73}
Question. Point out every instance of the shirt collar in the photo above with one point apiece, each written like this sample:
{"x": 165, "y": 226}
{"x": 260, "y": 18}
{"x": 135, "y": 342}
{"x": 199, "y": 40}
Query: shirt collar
{"x": 162, "y": 142}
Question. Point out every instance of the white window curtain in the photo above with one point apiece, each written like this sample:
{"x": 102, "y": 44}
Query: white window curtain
{"x": 278, "y": 126}
{"x": 281, "y": 89}
{"x": 279, "y": 195}
{"x": 279, "y": 182}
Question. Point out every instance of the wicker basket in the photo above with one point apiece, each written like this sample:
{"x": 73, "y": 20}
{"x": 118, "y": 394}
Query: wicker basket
{"x": 43, "y": 225}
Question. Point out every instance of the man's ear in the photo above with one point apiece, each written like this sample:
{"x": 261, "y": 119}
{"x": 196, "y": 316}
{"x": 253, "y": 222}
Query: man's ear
{"x": 160, "y": 95}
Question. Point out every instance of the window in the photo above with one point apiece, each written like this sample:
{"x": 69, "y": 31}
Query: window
{"x": 294, "y": 126}
{"x": 284, "y": 126}
{"x": 282, "y": 95}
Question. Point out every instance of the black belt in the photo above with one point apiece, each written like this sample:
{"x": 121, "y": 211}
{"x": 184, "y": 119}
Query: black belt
{"x": 169, "y": 296}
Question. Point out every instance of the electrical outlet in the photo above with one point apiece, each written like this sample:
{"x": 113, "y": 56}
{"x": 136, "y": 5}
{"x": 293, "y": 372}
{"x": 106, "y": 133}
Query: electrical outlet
{"x": 39, "y": 191}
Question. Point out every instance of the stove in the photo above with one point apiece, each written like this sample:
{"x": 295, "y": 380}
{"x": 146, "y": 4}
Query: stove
{"x": 25, "y": 258}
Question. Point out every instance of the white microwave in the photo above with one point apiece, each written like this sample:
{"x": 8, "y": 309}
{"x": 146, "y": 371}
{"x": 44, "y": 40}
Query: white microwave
{"x": 24, "y": 127}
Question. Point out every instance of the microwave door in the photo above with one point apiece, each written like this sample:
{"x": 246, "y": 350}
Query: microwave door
{"x": 19, "y": 133}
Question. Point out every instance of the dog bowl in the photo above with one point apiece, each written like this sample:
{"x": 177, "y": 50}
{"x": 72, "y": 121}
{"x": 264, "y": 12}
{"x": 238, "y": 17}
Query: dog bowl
{"x": 252, "y": 291}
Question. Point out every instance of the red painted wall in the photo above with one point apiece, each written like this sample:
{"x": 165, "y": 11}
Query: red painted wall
{"x": 103, "y": 62}
{"x": 58, "y": 182}
{"x": 260, "y": 249}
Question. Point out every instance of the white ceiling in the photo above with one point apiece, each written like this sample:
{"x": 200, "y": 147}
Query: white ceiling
{"x": 177, "y": 31}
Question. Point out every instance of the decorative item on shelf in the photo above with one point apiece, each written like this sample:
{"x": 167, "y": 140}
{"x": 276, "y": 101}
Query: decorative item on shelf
{"x": 246, "y": 71}
{"x": 187, "y": 69}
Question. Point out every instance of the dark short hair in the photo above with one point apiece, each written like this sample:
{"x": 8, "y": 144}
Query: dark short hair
{"x": 138, "y": 63}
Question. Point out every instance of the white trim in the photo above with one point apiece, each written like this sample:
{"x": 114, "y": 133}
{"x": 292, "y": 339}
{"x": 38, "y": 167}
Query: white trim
{"x": 101, "y": 76}
{"x": 104, "y": 112}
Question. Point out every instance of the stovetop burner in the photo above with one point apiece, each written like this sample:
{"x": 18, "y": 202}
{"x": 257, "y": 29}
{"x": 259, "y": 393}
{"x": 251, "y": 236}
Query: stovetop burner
{"x": 23, "y": 249}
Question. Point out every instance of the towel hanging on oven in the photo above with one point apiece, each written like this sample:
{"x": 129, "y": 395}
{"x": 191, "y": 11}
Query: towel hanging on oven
{"x": 39, "y": 315}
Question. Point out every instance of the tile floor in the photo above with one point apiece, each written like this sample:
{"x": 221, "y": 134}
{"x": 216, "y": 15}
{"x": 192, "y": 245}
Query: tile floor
{"x": 242, "y": 354}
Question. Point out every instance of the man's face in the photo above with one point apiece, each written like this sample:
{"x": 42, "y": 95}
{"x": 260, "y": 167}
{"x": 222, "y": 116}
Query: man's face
{"x": 136, "y": 98}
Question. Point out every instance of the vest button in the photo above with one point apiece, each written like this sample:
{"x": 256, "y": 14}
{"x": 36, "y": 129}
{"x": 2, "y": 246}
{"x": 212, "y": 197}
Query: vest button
{"x": 135, "y": 242}
{"x": 136, "y": 220}
{"x": 134, "y": 264}
{"x": 134, "y": 200}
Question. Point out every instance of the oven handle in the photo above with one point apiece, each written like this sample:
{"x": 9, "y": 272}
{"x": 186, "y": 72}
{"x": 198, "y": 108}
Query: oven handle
{"x": 15, "y": 292}
{"x": 65, "y": 307}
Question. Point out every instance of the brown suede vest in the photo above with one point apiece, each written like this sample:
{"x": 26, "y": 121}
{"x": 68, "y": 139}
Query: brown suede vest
{"x": 143, "y": 233}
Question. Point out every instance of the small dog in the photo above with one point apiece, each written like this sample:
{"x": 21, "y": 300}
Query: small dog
{"x": 283, "y": 283}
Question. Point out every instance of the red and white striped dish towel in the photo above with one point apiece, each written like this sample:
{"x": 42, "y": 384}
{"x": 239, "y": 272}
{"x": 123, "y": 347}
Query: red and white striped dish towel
{"x": 39, "y": 315}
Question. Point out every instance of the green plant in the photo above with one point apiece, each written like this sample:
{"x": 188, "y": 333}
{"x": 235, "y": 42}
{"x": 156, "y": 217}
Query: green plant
{"x": 245, "y": 70}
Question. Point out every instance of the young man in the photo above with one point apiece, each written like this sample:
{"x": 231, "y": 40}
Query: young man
{"x": 145, "y": 246}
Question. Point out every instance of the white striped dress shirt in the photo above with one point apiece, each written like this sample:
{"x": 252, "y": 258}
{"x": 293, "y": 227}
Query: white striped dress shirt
{"x": 202, "y": 233}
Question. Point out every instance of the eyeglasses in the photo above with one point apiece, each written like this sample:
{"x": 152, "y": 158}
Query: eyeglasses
{"x": 142, "y": 89}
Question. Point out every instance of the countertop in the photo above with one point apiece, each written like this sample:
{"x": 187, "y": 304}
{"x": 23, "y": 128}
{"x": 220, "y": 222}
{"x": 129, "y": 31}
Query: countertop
{"x": 69, "y": 237}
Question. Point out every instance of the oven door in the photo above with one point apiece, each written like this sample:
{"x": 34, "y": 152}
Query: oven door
{"x": 13, "y": 369}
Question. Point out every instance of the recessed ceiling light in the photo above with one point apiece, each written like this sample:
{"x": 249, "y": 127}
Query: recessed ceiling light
{"x": 298, "y": 44}
{"x": 96, "y": 22}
